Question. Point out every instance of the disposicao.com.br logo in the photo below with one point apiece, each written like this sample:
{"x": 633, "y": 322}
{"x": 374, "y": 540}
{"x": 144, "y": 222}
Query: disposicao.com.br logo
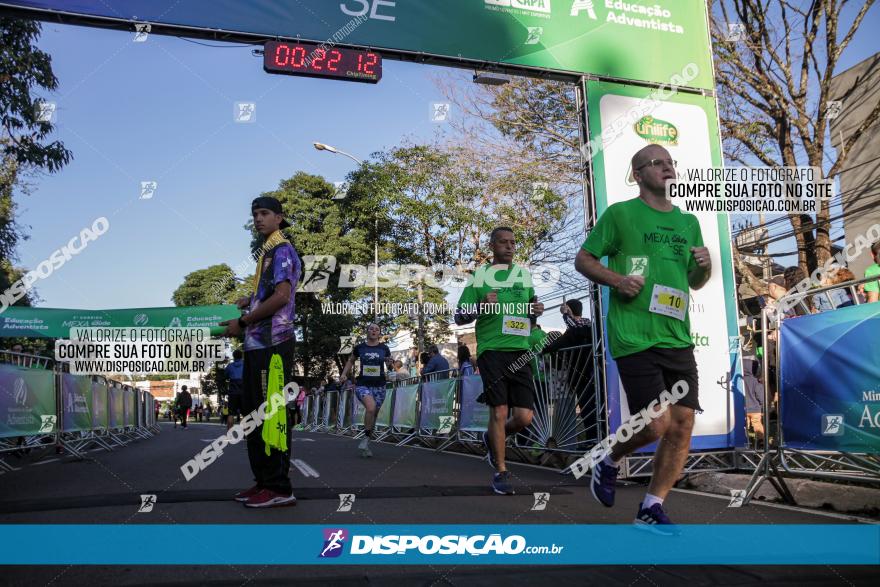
{"x": 394, "y": 544}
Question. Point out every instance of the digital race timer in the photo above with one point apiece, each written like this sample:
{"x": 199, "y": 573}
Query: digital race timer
{"x": 317, "y": 61}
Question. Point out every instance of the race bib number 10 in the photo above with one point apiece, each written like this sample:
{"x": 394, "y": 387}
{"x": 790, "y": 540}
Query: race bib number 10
{"x": 515, "y": 325}
{"x": 669, "y": 301}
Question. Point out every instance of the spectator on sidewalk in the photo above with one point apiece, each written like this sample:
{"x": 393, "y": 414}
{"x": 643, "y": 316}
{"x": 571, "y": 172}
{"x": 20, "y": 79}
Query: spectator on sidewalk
{"x": 465, "y": 365}
{"x": 437, "y": 363}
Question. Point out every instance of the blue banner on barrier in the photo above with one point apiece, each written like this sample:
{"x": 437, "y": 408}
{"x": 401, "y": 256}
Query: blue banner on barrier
{"x": 526, "y": 544}
{"x": 829, "y": 380}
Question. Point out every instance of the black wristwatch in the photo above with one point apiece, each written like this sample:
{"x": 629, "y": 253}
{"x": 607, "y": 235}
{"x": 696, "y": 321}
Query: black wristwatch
{"x": 241, "y": 323}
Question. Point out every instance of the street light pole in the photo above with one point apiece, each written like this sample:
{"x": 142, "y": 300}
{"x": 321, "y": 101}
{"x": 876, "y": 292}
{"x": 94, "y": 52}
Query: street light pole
{"x": 335, "y": 151}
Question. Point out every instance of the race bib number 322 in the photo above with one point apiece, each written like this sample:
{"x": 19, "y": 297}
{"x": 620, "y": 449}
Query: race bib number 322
{"x": 516, "y": 326}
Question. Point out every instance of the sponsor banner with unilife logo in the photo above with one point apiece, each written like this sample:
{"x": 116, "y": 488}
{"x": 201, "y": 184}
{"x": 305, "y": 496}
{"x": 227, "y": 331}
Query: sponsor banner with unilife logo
{"x": 686, "y": 126}
{"x": 829, "y": 380}
{"x": 526, "y": 544}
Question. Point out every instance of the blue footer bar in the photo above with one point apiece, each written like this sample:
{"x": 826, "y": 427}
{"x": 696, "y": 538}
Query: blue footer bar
{"x": 745, "y": 544}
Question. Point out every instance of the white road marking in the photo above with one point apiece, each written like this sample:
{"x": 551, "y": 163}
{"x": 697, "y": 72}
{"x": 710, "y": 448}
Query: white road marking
{"x": 305, "y": 468}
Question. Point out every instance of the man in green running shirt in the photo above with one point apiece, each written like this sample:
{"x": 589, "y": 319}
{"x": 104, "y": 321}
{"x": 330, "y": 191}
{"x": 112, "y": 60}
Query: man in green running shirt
{"x": 655, "y": 257}
{"x": 500, "y": 297}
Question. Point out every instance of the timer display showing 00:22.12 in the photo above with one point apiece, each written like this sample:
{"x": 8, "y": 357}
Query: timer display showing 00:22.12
{"x": 312, "y": 60}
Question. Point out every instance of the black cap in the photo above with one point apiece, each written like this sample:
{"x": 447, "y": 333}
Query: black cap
{"x": 269, "y": 203}
{"x": 777, "y": 280}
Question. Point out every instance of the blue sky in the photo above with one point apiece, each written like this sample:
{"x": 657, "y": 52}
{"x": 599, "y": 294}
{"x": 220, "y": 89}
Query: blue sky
{"x": 162, "y": 111}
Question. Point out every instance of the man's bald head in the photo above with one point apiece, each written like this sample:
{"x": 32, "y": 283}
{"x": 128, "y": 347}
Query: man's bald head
{"x": 646, "y": 154}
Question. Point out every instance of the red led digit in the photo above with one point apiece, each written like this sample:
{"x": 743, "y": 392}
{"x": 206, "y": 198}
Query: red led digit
{"x": 298, "y": 57}
{"x": 286, "y": 51}
{"x": 335, "y": 57}
{"x": 371, "y": 60}
{"x": 320, "y": 55}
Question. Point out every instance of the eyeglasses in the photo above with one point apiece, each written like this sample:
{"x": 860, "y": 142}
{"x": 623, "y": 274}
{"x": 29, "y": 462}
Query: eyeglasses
{"x": 655, "y": 162}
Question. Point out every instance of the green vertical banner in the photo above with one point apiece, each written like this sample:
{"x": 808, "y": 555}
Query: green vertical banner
{"x": 404, "y": 412}
{"x": 622, "y": 120}
{"x": 115, "y": 415}
{"x": 100, "y": 405}
{"x": 27, "y": 401}
{"x": 76, "y": 402}
{"x": 438, "y": 402}
{"x": 128, "y": 406}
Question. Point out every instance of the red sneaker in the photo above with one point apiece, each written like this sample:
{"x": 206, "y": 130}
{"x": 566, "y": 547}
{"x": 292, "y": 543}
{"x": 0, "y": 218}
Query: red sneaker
{"x": 266, "y": 498}
{"x": 246, "y": 494}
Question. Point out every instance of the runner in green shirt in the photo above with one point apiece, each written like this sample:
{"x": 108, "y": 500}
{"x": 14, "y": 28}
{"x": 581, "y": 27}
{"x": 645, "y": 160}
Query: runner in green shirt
{"x": 500, "y": 297}
{"x": 655, "y": 256}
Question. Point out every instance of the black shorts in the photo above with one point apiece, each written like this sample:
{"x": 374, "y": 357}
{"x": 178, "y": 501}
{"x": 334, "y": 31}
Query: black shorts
{"x": 648, "y": 373}
{"x": 502, "y": 383}
{"x": 234, "y": 404}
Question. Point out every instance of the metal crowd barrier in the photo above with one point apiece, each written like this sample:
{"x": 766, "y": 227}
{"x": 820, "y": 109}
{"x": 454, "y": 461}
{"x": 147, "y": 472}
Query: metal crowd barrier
{"x": 441, "y": 410}
{"x": 770, "y": 458}
{"x": 43, "y": 406}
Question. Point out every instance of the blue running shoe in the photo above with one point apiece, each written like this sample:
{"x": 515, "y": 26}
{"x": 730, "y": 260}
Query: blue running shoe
{"x": 655, "y": 520}
{"x": 501, "y": 483}
{"x": 489, "y": 456}
{"x": 603, "y": 483}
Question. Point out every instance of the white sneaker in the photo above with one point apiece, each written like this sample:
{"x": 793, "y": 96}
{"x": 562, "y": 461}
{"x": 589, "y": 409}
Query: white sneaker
{"x": 364, "y": 444}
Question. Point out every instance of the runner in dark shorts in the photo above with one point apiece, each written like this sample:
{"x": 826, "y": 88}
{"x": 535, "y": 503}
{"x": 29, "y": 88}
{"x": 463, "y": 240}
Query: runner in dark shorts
{"x": 375, "y": 361}
{"x": 500, "y": 297}
{"x": 655, "y": 257}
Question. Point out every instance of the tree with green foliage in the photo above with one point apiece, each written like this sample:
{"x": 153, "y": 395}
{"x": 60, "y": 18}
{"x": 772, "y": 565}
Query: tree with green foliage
{"x": 213, "y": 285}
{"x": 23, "y": 132}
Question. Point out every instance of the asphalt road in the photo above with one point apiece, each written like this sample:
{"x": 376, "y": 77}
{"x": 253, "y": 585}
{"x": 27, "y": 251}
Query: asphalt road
{"x": 398, "y": 485}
